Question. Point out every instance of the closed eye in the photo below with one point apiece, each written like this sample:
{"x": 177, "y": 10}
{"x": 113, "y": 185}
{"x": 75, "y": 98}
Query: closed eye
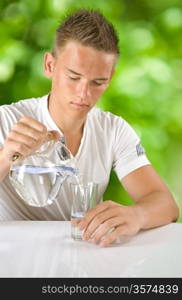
{"x": 98, "y": 83}
{"x": 94, "y": 82}
{"x": 74, "y": 78}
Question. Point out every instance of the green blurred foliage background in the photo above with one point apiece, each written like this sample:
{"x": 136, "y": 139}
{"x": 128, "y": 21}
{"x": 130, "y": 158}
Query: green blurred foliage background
{"x": 146, "y": 89}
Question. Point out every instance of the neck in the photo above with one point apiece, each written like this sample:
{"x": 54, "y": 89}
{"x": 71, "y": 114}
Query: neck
{"x": 68, "y": 124}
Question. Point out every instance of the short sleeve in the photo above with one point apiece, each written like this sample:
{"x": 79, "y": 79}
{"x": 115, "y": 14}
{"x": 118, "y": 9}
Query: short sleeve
{"x": 2, "y": 128}
{"x": 9, "y": 115}
{"x": 127, "y": 150}
{"x": 7, "y": 119}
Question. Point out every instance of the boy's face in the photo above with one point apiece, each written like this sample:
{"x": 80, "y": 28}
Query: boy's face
{"x": 79, "y": 75}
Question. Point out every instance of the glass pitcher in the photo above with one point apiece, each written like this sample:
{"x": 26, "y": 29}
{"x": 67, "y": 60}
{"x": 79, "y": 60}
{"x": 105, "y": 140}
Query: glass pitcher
{"x": 38, "y": 178}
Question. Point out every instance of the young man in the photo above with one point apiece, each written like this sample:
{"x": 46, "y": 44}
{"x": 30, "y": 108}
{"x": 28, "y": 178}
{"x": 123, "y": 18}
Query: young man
{"x": 81, "y": 66}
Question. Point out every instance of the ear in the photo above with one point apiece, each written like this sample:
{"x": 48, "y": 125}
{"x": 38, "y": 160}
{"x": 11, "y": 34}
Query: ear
{"x": 49, "y": 63}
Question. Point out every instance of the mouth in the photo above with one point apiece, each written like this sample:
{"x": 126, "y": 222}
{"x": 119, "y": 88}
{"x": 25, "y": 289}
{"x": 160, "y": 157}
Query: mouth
{"x": 79, "y": 105}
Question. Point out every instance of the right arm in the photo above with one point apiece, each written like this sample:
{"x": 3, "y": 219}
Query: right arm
{"x": 25, "y": 137}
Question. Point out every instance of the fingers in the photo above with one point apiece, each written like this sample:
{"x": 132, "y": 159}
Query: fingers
{"x": 105, "y": 218}
{"x": 113, "y": 235}
{"x": 106, "y": 222}
{"x": 35, "y": 126}
{"x": 29, "y": 128}
{"x": 52, "y": 135}
{"x": 95, "y": 212}
{"x": 38, "y": 126}
{"x": 22, "y": 139}
{"x": 12, "y": 147}
{"x": 26, "y": 137}
{"x": 104, "y": 228}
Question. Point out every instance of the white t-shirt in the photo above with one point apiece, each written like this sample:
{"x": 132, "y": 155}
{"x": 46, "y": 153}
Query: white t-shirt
{"x": 108, "y": 142}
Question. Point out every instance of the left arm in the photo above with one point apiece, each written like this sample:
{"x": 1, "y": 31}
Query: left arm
{"x": 154, "y": 200}
{"x": 154, "y": 206}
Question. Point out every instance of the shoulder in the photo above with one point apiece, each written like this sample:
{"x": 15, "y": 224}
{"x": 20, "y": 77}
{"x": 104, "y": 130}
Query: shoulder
{"x": 23, "y": 103}
{"x": 112, "y": 126}
{"x": 20, "y": 108}
{"x": 106, "y": 119}
{"x": 105, "y": 116}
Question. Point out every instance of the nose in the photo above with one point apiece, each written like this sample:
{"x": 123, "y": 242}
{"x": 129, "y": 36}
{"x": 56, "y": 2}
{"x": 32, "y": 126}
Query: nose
{"x": 83, "y": 90}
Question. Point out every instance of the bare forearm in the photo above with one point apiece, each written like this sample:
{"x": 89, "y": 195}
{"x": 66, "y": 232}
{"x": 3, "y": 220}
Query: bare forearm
{"x": 157, "y": 209}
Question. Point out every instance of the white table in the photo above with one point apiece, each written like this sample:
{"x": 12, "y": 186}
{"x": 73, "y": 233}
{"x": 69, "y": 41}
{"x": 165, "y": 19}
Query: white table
{"x": 45, "y": 249}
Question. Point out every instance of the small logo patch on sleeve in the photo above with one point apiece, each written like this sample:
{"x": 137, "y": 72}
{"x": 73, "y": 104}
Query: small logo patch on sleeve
{"x": 140, "y": 150}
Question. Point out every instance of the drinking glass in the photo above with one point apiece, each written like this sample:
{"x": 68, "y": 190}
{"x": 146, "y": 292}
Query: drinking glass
{"x": 84, "y": 197}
